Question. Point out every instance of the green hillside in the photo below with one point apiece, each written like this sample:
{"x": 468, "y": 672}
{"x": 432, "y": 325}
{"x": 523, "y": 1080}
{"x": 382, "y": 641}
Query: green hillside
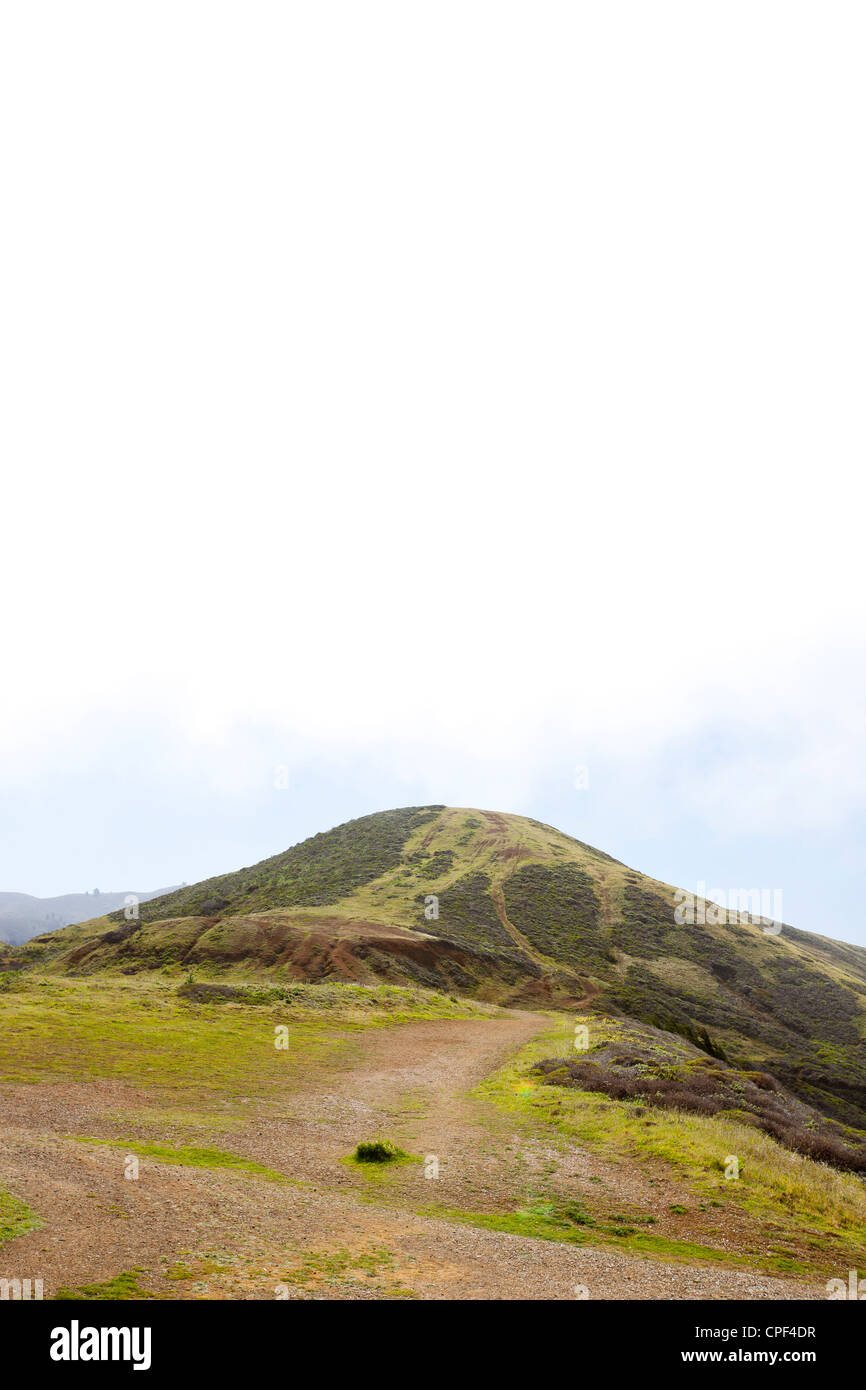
{"x": 517, "y": 912}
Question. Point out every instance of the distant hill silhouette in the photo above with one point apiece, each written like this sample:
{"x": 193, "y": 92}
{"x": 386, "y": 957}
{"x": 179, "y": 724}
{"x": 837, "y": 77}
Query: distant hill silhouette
{"x": 22, "y": 916}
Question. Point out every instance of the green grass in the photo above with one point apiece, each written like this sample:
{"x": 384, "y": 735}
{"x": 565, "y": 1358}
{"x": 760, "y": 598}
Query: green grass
{"x": 333, "y": 1266}
{"x": 15, "y": 1217}
{"x": 138, "y": 1030}
{"x": 381, "y": 1151}
{"x": 122, "y": 1288}
{"x": 189, "y": 1156}
{"x": 789, "y": 1197}
{"x": 546, "y": 1222}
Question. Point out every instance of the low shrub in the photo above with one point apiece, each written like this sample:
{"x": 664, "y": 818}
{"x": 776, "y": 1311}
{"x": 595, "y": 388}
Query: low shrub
{"x": 753, "y": 1097}
{"x": 378, "y": 1151}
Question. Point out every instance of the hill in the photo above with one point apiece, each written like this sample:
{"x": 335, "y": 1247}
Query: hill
{"x": 506, "y": 910}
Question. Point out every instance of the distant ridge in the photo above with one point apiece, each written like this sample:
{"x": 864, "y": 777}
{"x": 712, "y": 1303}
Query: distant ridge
{"x": 22, "y": 916}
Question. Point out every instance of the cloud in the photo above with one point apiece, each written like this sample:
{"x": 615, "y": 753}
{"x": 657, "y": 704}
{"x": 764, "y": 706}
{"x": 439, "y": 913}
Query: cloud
{"x": 474, "y": 422}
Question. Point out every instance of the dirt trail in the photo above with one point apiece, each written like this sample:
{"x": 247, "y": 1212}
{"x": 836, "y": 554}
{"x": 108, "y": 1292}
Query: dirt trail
{"x": 587, "y": 992}
{"x": 333, "y": 1231}
{"x": 498, "y": 895}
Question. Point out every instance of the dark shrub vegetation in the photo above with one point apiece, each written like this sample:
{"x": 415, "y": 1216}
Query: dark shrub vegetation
{"x": 315, "y": 873}
{"x": 700, "y": 1086}
{"x": 557, "y": 910}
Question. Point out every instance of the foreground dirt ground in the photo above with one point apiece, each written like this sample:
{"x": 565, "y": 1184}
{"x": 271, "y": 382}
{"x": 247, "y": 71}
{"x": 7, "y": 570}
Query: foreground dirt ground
{"x": 331, "y": 1229}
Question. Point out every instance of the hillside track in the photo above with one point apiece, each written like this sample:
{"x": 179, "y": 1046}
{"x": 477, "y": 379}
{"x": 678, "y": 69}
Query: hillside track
{"x": 333, "y": 1230}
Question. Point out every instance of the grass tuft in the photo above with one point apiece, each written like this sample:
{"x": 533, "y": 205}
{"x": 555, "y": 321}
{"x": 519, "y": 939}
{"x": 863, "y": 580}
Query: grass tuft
{"x": 381, "y": 1151}
{"x": 122, "y": 1288}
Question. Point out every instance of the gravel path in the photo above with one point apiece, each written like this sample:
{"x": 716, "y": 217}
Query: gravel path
{"x": 333, "y": 1232}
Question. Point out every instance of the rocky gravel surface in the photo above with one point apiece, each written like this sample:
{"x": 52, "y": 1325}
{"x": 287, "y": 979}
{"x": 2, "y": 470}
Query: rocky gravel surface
{"x": 331, "y": 1231}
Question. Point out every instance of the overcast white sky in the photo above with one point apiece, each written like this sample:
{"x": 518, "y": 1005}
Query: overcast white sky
{"x": 429, "y": 398}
